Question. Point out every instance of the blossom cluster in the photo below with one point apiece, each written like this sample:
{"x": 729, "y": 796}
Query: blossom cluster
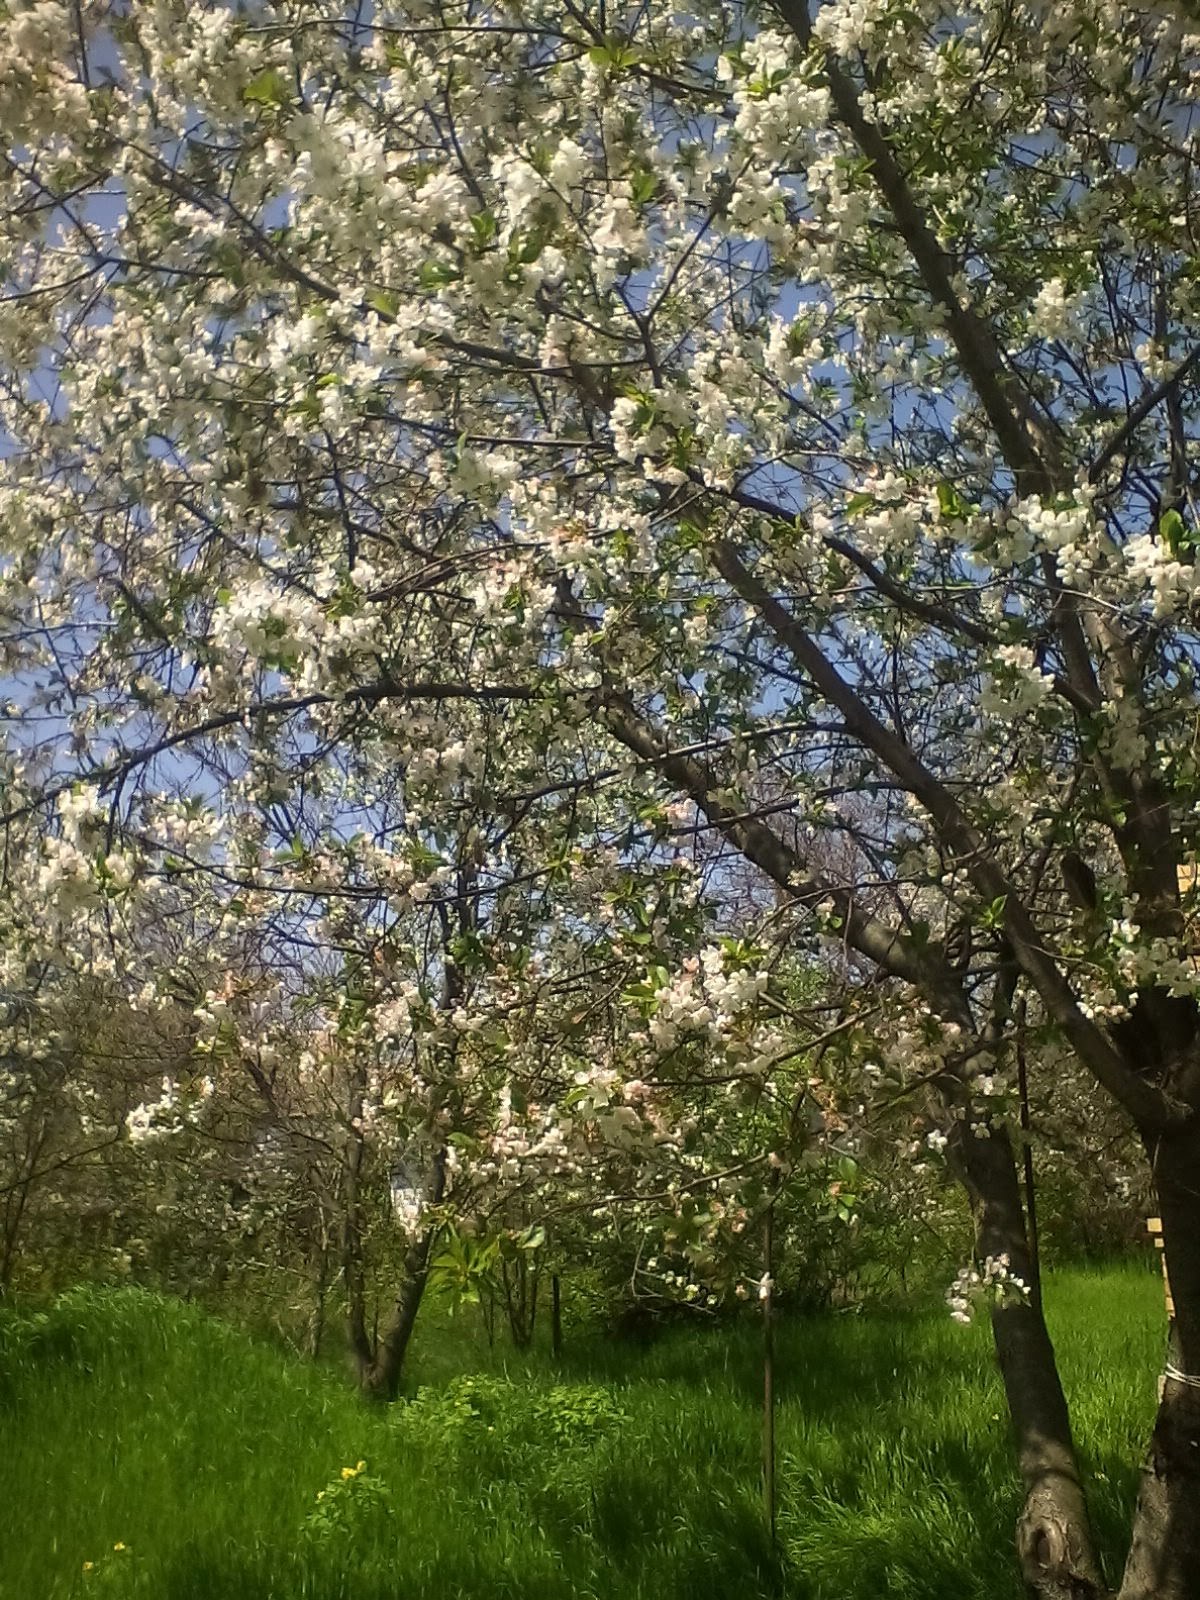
{"x": 993, "y": 1282}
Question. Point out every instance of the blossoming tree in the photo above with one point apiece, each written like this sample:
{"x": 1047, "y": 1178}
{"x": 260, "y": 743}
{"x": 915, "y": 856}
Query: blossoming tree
{"x": 780, "y": 415}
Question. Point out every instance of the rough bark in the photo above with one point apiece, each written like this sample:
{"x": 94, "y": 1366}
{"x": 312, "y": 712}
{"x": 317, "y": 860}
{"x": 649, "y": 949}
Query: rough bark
{"x": 1164, "y": 1556}
{"x": 555, "y": 1317}
{"x": 353, "y": 1267}
{"x": 521, "y": 1281}
{"x": 315, "y": 1336}
{"x": 379, "y": 1377}
{"x": 1054, "y": 1538}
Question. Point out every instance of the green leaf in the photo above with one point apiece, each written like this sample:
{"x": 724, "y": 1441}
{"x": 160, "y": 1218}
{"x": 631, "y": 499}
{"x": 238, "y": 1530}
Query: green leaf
{"x": 525, "y": 248}
{"x": 615, "y": 54}
{"x": 436, "y": 275}
{"x": 1176, "y": 534}
{"x": 951, "y": 504}
{"x": 268, "y": 88}
{"x": 467, "y": 950}
{"x": 993, "y": 915}
{"x": 858, "y": 503}
{"x": 421, "y": 858}
{"x": 384, "y": 301}
{"x": 643, "y": 186}
{"x": 483, "y": 228}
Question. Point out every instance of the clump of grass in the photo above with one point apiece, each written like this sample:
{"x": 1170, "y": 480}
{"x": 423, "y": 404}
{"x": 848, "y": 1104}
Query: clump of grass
{"x": 624, "y": 1471}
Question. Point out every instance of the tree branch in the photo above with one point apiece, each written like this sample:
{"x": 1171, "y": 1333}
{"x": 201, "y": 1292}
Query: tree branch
{"x": 1141, "y": 411}
{"x": 367, "y": 695}
{"x": 1008, "y": 408}
{"x": 1145, "y": 1101}
{"x": 880, "y": 943}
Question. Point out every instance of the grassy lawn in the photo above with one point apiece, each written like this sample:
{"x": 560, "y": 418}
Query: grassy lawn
{"x": 628, "y": 1473}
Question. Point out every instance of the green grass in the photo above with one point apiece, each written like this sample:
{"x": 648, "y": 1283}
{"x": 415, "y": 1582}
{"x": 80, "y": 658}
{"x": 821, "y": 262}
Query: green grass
{"x": 630, "y": 1472}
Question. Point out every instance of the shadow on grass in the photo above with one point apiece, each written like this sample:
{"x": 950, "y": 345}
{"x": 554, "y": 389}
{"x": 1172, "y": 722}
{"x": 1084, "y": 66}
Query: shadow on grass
{"x": 896, "y": 1479}
{"x": 733, "y": 1559}
{"x": 897, "y": 1476}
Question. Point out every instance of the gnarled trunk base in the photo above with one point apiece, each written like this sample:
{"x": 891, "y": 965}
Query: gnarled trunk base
{"x": 1054, "y": 1545}
{"x": 1054, "y": 1538}
{"x": 1164, "y": 1556}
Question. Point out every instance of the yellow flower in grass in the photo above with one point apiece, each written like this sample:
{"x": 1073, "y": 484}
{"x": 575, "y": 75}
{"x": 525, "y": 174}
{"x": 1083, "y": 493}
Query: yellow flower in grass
{"x": 89, "y": 1566}
{"x": 120, "y": 1545}
{"x": 353, "y": 1472}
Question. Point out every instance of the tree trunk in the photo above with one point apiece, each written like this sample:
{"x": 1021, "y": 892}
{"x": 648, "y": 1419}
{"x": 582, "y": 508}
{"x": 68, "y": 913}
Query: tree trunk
{"x": 353, "y": 1266}
{"x": 316, "y": 1321}
{"x": 1054, "y": 1539}
{"x": 1164, "y": 1556}
{"x": 520, "y": 1282}
{"x": 379, "y": 1378}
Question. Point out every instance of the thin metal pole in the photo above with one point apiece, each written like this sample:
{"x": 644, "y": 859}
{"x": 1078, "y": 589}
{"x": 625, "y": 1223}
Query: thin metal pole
{"x": 767, "y": 1291}
{"x": 1031, "y": 1216}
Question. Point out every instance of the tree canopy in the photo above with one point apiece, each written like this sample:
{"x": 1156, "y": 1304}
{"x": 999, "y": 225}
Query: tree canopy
{"x": 629, "y": 505}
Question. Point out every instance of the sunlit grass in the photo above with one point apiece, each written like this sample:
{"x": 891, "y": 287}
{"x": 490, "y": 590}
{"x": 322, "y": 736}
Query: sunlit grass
{"x": 629, "y": 1471}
